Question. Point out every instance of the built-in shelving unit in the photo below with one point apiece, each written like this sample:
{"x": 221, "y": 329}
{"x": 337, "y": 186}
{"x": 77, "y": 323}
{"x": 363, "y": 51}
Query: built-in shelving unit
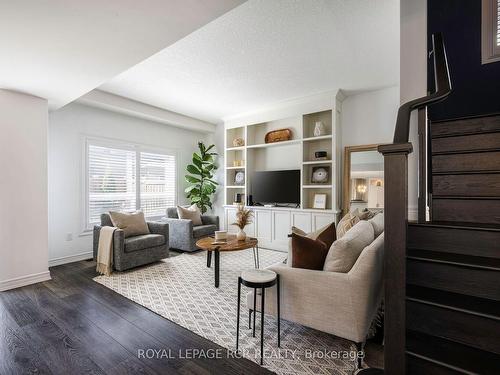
{"x": 296, "y": 153}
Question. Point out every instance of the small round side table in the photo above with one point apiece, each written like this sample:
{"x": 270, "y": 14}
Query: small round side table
{"x": 258, "y": 279}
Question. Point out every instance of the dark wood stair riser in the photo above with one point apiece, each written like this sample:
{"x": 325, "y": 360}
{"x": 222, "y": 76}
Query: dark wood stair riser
{"x": 483, "y": 124}
{"x": 466, "y": 210}
{"x": 472, "y": 162}
{"x": 466, "y": 143}
{"x": 419, "y": 366}
{"x": 453, "y": 278}
{"x": 472, "y": 185}
{"x": 459, "y": 241}
{"x": 452, "y": 353}
{"x": 468, "y": 329}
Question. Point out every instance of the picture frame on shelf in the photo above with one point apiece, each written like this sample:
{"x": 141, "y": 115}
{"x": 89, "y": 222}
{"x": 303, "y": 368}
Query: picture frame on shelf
{"x": 319, "y": 201}
{"x": 239, "y": 178}
{"x": 320, "y": 175}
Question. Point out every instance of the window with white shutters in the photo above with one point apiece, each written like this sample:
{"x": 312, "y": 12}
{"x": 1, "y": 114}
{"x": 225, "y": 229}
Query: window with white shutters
{"x": 127, "y": 179}
{"x": 111, "y": 181}
{"x": 157, "y": 176}
{"x": 490, "y": 33}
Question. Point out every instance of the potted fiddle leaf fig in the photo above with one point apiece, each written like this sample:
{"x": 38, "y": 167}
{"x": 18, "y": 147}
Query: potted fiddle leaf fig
{"x": 201, "y": 173}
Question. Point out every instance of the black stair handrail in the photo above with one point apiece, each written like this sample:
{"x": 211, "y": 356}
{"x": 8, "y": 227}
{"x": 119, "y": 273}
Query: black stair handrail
{"x": 442, "y": 85}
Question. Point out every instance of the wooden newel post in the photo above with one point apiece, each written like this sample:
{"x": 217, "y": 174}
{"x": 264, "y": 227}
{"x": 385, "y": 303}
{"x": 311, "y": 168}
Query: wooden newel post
{"x": 395, "y": 222}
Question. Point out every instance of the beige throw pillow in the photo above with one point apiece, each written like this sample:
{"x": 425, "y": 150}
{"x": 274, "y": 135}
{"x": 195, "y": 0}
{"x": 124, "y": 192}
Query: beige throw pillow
{"x": 347, "y": 222}
{"x": 133, "y": 224}
{"x": 190, "y": 213}
{"x": 345, "y": 251}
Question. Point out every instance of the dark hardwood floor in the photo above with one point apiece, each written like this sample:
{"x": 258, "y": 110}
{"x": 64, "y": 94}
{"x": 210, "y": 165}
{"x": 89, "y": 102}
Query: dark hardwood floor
{"x": 72, "y": 325}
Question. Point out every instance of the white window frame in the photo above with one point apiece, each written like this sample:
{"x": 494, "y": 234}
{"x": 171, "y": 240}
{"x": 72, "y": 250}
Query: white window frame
{"x": 123, "y": 145}
{"x": 490, "y": 50}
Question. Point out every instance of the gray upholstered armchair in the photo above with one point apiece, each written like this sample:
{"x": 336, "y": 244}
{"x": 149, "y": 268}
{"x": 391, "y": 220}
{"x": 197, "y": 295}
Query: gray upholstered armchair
{"x": 138, "y": 250}
{"x": 183, "y": 234}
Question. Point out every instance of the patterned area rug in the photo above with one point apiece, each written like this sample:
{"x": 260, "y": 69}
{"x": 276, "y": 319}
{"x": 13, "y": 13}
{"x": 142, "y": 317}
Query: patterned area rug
{"x": 181, "y": 289}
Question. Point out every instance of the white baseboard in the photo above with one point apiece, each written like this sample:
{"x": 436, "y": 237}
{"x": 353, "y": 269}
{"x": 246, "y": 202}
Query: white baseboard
{"x": 71, "y": 258}
{"x": 24, "y": 280}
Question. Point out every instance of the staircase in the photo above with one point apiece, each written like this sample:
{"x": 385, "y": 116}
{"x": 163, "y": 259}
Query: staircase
{"x": 453, "y": 261}
{"x": 442, "y": 273}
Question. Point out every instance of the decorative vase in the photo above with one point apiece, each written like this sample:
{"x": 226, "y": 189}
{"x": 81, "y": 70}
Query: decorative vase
{"x": 241, "y": 235}
{"x": 319, "y": 129}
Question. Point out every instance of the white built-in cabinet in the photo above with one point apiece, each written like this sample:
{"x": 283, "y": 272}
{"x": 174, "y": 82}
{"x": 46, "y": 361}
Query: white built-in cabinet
{"x": 272, "y": 224}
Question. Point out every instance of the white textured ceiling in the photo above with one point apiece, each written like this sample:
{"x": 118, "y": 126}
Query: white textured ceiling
{"x": 62, "y": 49}
{"x": 266, "y": 51}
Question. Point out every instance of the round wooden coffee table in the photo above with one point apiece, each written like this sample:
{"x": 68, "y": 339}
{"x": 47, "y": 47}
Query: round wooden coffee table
{"x": 232, "y": 244}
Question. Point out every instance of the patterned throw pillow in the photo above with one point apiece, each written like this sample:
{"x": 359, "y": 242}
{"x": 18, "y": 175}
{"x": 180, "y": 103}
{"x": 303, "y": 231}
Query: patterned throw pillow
{"x": 132, "y": 224}
{"x": 347, "y": 222}
{"x": 191, "y": 213}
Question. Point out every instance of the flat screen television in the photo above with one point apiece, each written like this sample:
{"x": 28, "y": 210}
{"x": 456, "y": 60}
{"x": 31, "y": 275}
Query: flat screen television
{"x": 276, "y": 187}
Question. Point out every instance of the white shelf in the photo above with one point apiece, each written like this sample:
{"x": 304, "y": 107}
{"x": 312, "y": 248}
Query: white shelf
{"x": 310, "y": 139}
{"x": 235, "y": 167}
{"x": 282, "y": 143}
{"x": 240, "y": 148}
{"x": 317, "y": 162}
{"x": 317, "y": 186}
{"x": 235, "y": 186}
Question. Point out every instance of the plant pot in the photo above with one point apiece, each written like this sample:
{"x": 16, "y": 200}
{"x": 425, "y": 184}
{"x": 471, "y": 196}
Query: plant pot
{"x": 241, "y": 235}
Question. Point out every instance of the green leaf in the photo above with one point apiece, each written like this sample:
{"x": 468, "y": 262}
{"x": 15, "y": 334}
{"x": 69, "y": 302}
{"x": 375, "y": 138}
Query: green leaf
{"x": 193, "y": 169}
{"x": 192, "y": 179}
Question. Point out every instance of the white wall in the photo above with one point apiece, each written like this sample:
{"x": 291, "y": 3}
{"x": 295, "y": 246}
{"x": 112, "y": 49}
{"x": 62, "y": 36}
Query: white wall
{"x": 23, "y": 190}
{"x": 68, "y": 128}
{"x": 370, "y": 117}
{"x": 413, "y": 80}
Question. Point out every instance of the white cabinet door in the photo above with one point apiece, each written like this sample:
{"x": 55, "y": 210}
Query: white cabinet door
{"x": 302, "y": 220}
{"x": 230, "y": 218}
{"x": 281, "y": 228}
{"x": 263, "y": 225}
{"x": 320, "y": 220}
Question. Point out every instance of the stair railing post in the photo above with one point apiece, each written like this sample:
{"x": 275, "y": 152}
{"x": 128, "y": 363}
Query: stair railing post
{"x": 395, "y": 222}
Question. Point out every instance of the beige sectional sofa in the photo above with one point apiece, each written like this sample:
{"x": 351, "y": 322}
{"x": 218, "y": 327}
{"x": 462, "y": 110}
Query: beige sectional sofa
{"x": 342, "y": 304}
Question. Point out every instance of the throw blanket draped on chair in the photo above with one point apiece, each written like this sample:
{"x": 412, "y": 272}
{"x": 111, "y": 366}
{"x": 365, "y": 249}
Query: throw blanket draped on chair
{"x": 105, "y": 251}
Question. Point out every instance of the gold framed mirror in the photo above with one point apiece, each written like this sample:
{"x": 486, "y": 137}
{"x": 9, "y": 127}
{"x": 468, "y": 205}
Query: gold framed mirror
{"x": 363, "y": 179}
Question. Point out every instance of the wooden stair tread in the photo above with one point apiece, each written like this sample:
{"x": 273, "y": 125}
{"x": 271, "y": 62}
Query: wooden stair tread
{"x": 456, "y": 259}
{"x": 473, "y": 305}
{"x": 457, "y": 225}
{"x": 451, "y": 354}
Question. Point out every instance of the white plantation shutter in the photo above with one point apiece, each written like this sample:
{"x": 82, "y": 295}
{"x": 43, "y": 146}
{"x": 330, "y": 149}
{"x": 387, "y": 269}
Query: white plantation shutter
{"x": 111, "y": 181}
{"x": 158, "y": 183}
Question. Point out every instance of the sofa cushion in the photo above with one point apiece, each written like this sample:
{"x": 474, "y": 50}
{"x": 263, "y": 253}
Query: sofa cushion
{"x": 308, "y": 253}
{"x": 172, "y": 213}
{"x": 144, "y": 241}
{"x": 345, "y": 251}
{"x": 378, "y": 224}
{"x": 132, "y": 223}
{"x": 190, "y": 213}
{"x": 204, "y": 230}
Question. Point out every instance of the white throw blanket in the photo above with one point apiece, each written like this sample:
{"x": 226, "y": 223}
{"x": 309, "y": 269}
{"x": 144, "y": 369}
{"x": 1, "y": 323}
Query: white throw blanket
{"x": 105, "y": 251}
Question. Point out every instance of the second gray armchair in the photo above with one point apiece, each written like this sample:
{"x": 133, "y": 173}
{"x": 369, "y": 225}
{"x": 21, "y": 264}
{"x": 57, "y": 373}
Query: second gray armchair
{"x": 183, "y": 234}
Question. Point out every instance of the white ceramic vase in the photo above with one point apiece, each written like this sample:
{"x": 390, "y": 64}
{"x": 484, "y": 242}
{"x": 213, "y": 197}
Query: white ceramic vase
{"x": 319, "y": 129}
{"x": 241, "y": 235}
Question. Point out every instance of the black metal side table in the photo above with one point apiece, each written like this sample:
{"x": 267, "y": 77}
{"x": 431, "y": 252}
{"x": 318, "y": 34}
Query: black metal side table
{"x": 258, "y": 279}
